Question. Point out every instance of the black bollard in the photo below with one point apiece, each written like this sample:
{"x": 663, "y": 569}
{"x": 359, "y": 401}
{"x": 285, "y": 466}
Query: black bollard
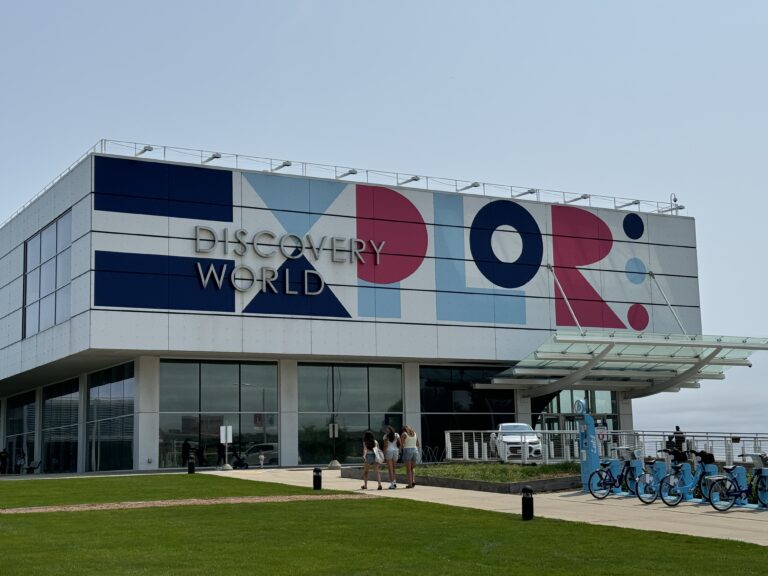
{"x": 317, "y": 479}
{"x": 527, "y": 493}
{"x": 191, "y": 466}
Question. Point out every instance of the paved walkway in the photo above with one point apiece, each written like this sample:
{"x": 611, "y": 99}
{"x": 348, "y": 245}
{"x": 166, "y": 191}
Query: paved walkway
{"x": 693, "y": 519}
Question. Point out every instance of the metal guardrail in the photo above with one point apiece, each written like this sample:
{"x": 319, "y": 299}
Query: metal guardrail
{"x": 563, "y": 446}
{"x": 360, "y": 175}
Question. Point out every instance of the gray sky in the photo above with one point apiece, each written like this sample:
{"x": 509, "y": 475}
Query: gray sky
{"x": 631, "y": 99}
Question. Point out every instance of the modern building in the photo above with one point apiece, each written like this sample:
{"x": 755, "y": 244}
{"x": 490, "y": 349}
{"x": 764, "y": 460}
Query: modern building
{"x": 146, "y": 301}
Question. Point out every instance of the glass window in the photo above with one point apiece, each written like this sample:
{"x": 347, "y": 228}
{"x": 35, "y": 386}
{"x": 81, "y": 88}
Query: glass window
{"x": 33, "y": 252}
{"x": 47, "y": 312}
{"x": 33, "y": 286}
{"x": 386, "y": 389}
{"x": 48, "y": 278}
{"x": 62, "y": 304}
{"x": 219, "y": 387}
{"x": 179, "y": 387}
{"x": 603, "y": 402}
{"x": 32, "y": 319}
{"x": 350, "y": 389}
{"x": 258, "y": 387}
{"x": 20, "y": 414}
{"x": 48, "y": 243}
{"x": 174, "y": 430}
{"x": 63, "y": 268}
{"x": 315, "y": 388}
{"x": 60, "y": 404}
{"x": 64, "y": 232}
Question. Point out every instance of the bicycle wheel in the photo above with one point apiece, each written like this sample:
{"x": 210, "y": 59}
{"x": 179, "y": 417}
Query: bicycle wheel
{"x": 600, "y": 483}
{"x": 722, "y": 494}
{"x": 762, "y": 490}
{"x": 702, "y": 489}
{"x": 668, "y": 490}
{"x": 646, "y": 488}
{"x": 630, "y": 482}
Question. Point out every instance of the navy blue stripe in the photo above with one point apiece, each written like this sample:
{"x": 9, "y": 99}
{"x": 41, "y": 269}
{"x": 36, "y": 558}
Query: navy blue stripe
{"x": 160, "y": 282}
{"x": 143, "y": 187}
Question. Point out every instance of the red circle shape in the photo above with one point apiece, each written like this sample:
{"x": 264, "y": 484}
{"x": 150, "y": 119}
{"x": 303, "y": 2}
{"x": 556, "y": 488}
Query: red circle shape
{"x": 384, "y": 215}
{"x": 637, "y": 316}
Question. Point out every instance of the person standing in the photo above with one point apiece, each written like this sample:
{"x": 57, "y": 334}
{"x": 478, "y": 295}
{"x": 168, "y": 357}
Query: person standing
{"x": 221, "y": 457}
{"x": 4, "y": 461}
{"x": 410, "y": 444}
{"x": 679, "y": 436}
{"x": 185, "y": 448}
{"x": 369, "y": 457}
{"x": 391, "y": 454}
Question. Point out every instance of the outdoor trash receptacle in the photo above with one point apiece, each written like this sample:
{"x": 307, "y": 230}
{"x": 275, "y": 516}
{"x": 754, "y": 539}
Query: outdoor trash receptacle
{"x": 317, "y": 479}
{"x": 527, "y": 493}
{"x": 191, "y": 466}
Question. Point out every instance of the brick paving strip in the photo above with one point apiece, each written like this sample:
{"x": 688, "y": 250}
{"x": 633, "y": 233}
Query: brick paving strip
{"x": 171, "y": 503}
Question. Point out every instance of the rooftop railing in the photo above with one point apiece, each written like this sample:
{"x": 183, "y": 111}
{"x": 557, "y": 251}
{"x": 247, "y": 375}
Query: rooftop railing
{"x": 361, "y": 175}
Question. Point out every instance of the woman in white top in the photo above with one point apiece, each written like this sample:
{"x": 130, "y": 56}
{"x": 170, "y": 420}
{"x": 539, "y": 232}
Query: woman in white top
{"x": 391, "y": 454}
{"x": 410, "y": 444}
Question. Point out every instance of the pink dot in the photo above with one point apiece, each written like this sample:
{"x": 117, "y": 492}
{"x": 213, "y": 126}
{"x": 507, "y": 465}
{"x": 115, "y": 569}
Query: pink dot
{"x": 637, "y": 316}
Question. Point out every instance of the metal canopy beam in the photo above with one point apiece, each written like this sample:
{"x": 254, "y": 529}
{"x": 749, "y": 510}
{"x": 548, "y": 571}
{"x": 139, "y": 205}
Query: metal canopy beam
{"x": 682, "y": 377}
{"x": 640, "y": 359}
{"x": 598, "y": 373}
{"x": 572, "y": 378}
{"x": 677, "y": 342}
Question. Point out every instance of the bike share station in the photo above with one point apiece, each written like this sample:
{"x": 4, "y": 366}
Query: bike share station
{"x": 671, "y": 478}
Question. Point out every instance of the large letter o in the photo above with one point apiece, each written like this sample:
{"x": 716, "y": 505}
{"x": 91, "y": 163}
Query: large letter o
{"x": 488, "y": 219}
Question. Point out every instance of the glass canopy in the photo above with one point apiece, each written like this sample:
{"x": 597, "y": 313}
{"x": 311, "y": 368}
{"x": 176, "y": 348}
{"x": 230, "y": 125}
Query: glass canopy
{"x": 637, "y": 364}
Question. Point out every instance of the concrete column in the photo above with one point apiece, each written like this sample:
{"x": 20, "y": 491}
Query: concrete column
{"x": 625, "y": 411}
{"x": 3, "y": 410}
{"x": 412, "y": 397}
{"x": 288, "y": 381}
{"x": 523, "y": 408}
{"x": 82, "y": 426}
{"x": 146, "y": 410}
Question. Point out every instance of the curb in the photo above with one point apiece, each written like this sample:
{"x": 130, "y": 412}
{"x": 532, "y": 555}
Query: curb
{"x": 546, "y": 485}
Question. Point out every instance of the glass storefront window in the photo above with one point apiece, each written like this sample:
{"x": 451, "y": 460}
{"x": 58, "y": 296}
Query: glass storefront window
{"x": 258, "y": 387}
{"x": 110, "y": 419}
{"x": 219, "y": 388}
{"x": 59, "y": 427}
{"x": 179, "y": 387}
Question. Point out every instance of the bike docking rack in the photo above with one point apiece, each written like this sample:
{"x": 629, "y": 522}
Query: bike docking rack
{"x": 734, "y": 488}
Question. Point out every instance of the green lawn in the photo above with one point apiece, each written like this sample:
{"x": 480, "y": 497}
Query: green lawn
{"x": 497, "y": 472}
{"x": 346, "y": 537}
{"x": 51, "y": 491}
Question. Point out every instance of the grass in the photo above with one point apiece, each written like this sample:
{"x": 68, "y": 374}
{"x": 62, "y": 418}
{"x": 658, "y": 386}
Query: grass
{"x": 350, "y": 538}
{"x": 497, "y": 472}
{"x": 97, "y": 490}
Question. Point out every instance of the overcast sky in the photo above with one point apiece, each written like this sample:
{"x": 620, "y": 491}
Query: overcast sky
{"x": 631, "y": 99}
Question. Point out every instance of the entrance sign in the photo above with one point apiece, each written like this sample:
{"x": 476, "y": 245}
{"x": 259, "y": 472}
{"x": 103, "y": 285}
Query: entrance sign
{"x": 225, "y": 432}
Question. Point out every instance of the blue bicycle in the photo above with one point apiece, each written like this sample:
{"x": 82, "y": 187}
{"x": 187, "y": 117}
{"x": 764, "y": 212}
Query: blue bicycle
{"x": 674, "y": 485}
{"x": 727, "y": 489}
{"x": 602, "y": 481}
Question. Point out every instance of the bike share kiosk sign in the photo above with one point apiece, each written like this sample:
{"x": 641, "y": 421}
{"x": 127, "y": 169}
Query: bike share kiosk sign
{"x": 590, "y": 458}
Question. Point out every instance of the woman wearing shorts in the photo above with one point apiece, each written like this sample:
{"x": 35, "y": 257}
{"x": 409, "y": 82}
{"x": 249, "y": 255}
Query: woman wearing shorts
{"x": 369, "y": 458}
{"x": 391, "y": 454}
{"x": 410, "y": 443}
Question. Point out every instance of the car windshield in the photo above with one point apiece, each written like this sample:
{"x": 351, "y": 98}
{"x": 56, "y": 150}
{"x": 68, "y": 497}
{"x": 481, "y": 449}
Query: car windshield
{"x": 516, "y": 428}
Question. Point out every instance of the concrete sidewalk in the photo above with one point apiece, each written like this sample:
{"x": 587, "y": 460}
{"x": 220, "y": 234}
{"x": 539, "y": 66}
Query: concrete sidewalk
{"x": 691, "y": 519}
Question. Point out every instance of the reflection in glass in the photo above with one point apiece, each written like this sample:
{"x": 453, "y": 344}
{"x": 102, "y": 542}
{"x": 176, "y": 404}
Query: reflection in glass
{"x": 63, "y": 268}
{"x": 64, "y": 232}
{"x": 315, "y": 388}
{"x": 62, "y": 304}
{"x": 33, "y": 286}
{"x": 258, "y": 387}
{"x": 33, "y": 253}
{"x": 219, "y": 387}
{"x": 179, "y": 387}
{"x": 32, "y": 319}
{"x": 48, "y": 277}
{"x": 47, "y": 312}
{"x": 48, "y": 243}
{"x": 386, "y": 388}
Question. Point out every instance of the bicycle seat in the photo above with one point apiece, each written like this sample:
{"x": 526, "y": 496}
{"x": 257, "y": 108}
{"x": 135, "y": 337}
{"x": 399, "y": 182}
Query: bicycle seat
{"x": 605, "y": 464}
{"x": 729, "y": 469}
{"x": 676, "y": 467}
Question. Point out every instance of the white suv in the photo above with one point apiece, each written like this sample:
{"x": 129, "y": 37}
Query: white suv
{"x": 510, "y": 438}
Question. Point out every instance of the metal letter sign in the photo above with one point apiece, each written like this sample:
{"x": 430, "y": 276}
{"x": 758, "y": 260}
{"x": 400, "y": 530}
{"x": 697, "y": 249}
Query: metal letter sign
{"x": 225, "y": 433}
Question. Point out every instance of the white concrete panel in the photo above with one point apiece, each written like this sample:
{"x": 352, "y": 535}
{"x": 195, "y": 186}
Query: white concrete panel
{"x": 80, "y": 333}
{"x": 129, "y": 330}
{"x": 512, "y": 345}
{"x": 539, "y": 314}
{"x": 331, "y": 338}
{"x": 281, "y": 336}
{"x": 406, "y": 341}
{"x": 10, "y": 360}
{"x": 672, "y": 230}
{"x": 12, "y": 265}
{"x": 28, "y": 354}
{"x": 663, "y": 321}
{"x": 80, "y": 256}
{"x": 185, "y": 227}
{"x": 466, "y": 342}
{"x": 129, "y": 243}
{"x": 72, "y": 187}
{"x": 130, "y": 223}
{"x": 423, "y": 278}
{"x": 80, "y": 294}
{"x": 14, "y": 325}
{"x": 205, "y": 332}
{"x": 81, "y": 217}
{"x": 344, "y": 205}
{"x": 616, "y": 287}
{"x": 674, "y": 260}
{"x": 15, "y": 296}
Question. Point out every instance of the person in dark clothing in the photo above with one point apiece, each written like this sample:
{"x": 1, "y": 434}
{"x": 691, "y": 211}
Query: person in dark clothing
{"x": 679, "y": 436}
{"x": 185, "y": 448}
{"x": 4, "y": 461}
{"x": 221, "y": 454}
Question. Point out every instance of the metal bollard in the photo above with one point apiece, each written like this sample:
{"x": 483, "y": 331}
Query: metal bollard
{"x": 191, "y": 466}
{"x": 317, "y": 479}
{"x": 527, "y": 493}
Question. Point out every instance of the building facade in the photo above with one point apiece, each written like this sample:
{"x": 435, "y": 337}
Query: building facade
{"x": 145, "y": 303}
